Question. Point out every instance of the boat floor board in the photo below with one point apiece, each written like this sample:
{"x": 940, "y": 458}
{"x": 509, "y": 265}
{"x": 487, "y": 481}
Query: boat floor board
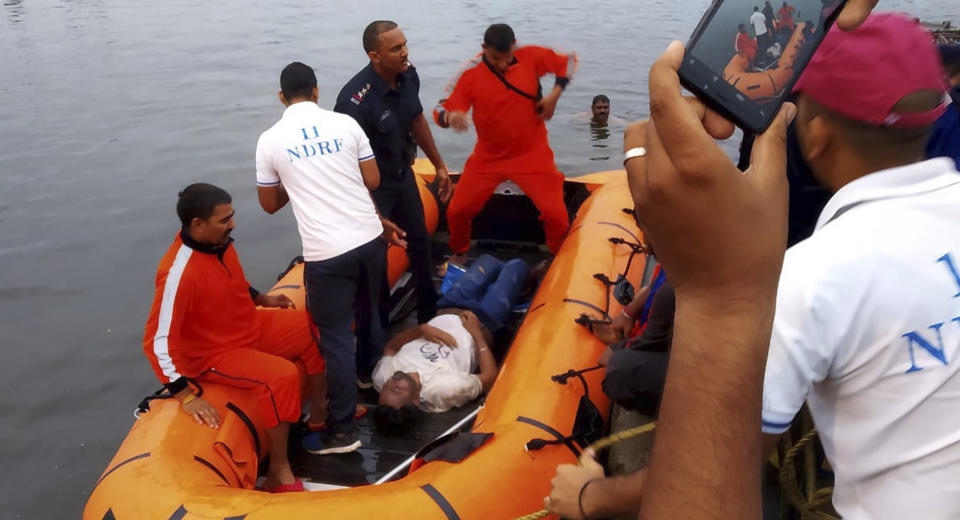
{"x": 378, "y": 455}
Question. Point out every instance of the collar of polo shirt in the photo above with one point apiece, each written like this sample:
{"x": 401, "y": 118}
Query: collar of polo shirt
{"x": 902, "y": 181}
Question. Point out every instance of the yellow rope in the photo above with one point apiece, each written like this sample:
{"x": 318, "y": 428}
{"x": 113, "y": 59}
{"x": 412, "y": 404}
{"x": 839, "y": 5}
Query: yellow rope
{"x": 791, "y": 487}
{"x": 601, "y": 444}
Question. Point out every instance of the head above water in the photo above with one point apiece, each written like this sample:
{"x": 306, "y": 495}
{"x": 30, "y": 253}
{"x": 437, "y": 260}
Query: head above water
{"x": 499, "y": 44}
{"x": 386, "y": 46}
{"x": 206, "y": 213}
{"x": 600, "y": 107}
{"x": 858, "y": 114}
{"x": 298, "y": 83}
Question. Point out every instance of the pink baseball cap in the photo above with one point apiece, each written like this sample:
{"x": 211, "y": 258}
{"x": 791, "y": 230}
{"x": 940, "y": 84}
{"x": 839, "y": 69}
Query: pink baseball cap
{"x": 863, "y": 73}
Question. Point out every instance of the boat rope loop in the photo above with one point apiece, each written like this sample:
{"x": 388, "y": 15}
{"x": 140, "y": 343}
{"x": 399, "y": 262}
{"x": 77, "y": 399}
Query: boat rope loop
{"x": 807, "y": 506}
{"x": 562, "y": 378}
{"x": 602, "y": 444}
{"x": 587, "y": 424}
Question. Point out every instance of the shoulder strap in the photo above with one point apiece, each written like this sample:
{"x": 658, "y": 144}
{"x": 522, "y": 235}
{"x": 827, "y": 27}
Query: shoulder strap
{"x": 510, "y": 85}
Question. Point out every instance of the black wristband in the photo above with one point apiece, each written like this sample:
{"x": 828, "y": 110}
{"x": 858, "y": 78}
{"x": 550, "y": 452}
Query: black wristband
{"x": 583, "y": 513}
{"x": 175, "y": 387}
{"x": 562, "y": 82}
{"x": 253, "y": 293}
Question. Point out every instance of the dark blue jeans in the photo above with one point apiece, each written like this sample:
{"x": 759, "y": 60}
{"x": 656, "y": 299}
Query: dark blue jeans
{"x": 489, "y": 288}
{"x": 340, "y": 290}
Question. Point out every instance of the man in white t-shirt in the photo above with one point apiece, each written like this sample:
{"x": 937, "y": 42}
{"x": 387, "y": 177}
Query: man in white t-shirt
{"x": 759, "y": 22}
{"x": 867, "y": 323}
{"x": 431, "y": 366}
{"x": 321, "y": 162}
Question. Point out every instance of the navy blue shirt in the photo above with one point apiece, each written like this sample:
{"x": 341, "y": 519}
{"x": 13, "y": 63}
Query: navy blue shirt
{"x": 385, "y": 114}
{"x": 945, "y": 136}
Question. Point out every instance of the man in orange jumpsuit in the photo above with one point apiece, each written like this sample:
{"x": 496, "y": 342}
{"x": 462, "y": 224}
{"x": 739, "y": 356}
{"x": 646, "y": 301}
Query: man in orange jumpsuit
{"x": 204, "y": 326}
{"x": 785, "y": 15}
{"x": 745, "y": 45}
{"x": 503, "y": 88}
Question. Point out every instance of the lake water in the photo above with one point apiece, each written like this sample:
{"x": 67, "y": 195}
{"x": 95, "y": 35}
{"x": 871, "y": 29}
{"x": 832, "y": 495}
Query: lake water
{"x": 109, "y": 107}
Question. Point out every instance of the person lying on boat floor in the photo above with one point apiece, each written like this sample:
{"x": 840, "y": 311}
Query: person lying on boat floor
{"x": 431, "y": 366}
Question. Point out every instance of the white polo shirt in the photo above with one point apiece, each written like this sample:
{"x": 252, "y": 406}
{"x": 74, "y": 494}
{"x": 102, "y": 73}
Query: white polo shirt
{"x": 867, "y": 331}
{"x": 316, "y": 154}
{"x": 759, "y": 22}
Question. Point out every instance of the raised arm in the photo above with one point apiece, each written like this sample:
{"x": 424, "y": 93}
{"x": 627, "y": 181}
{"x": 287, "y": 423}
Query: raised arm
{"x": 686, "y": 189}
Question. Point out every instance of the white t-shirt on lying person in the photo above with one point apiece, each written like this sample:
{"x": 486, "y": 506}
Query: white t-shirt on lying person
{"x": 446, "y": 376}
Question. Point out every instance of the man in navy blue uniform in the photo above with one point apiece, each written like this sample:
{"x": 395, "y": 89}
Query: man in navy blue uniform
{"x": 384, "y": 97}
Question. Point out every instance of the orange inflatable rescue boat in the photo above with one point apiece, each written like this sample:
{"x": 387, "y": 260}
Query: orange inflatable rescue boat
{"x": 169, "y": 467}
{"x": 767, "y": 83}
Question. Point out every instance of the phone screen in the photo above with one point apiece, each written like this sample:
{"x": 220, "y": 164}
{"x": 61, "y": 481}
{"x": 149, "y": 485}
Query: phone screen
{"x": 745, "y": 55}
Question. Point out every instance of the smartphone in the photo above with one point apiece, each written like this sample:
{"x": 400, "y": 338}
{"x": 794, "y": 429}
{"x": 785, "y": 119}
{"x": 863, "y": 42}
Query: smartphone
{"x": 745, "y": 55}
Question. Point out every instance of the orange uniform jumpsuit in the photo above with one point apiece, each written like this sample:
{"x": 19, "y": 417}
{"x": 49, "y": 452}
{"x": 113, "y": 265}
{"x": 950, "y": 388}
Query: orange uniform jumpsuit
{"x": 511, "y": 143}
{"x": 204, "y": 326}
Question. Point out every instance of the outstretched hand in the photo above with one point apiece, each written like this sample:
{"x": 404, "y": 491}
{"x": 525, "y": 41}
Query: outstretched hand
{"x": 202, "y": 411}
{"x": 275, "y": 300}
{"x": 392, "y": 233}
{"x": 457, "y": 120}
{"x": 565, "y": 498}
{"x": 444, "y": 185}
{"x": 692, "y": 199}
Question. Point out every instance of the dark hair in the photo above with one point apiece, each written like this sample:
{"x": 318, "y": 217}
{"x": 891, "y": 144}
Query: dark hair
{"x": 395, "y": 421}
{"x": 371, "y": 34}
{"x": 499, "y": 36}
{"x": 741, "y": 26}
{"x": 755, "y": 8}
{"x": 598, "y": 98}
{"x": 297, "y": 81}
{"x": 198, "y": 201}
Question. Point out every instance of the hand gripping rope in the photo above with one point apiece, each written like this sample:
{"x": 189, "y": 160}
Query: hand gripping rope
{"x": 603, "y": 443}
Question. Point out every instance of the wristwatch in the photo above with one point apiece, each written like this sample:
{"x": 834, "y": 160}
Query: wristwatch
{"x": 637, "y": 151}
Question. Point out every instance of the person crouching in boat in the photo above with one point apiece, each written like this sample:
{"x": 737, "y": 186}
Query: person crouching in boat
{"x": 205, "y": 326}
{"x": 431, "y": 366}
{"x": 509, "y": 111}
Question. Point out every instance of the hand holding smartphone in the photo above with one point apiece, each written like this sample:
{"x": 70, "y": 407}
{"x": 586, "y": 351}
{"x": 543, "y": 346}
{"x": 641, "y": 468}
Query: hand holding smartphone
{"x": 745, "y": 55}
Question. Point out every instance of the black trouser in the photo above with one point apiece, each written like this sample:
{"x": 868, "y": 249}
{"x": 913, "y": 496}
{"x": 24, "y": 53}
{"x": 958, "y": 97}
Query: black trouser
{"x": 399, "y": 200}
{"x": 340, "y": 290}
{"x": 635, "y": 379}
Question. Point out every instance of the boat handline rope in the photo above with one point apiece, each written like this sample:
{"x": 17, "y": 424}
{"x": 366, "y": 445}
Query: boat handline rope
{"x": 601, "y": 444}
